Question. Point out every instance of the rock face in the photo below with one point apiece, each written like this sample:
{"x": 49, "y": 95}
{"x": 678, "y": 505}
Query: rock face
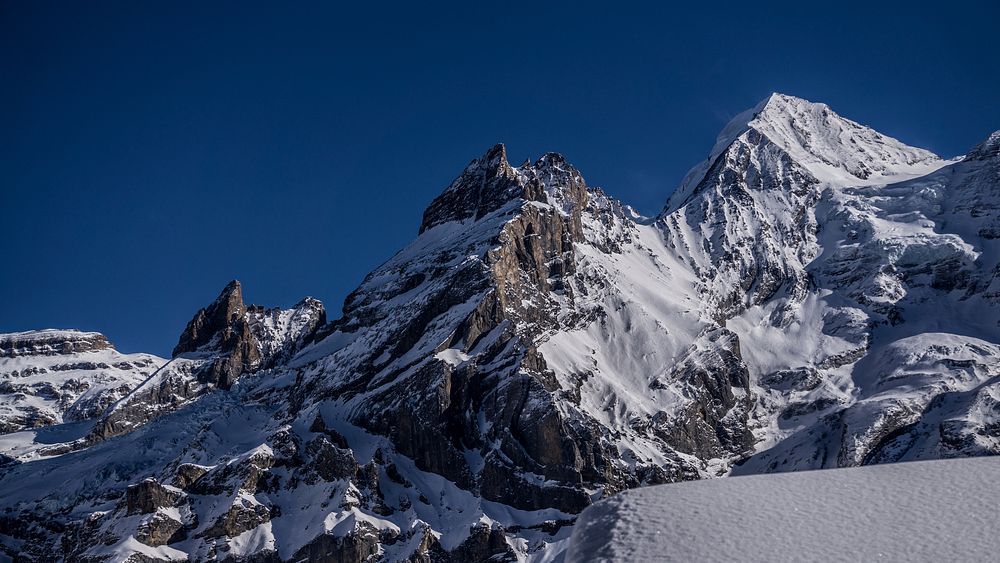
{"x": 147, "y": 496}
{"x": 501, "y": 295}
{"x": 51, "y": 343}
{"x": 486, "y": 185}
{"x": 815, "y": 294}
{"x": 223, "y": 330}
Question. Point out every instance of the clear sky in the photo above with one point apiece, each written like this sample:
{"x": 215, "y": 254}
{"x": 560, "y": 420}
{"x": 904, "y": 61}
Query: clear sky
{"x": 152, "y": 151}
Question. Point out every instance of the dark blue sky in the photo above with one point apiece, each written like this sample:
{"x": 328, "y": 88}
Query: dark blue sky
{"x": 150, "y": 152}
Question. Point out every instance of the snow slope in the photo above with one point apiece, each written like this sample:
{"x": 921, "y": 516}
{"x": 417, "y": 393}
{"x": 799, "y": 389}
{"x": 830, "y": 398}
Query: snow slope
{"x": 921, "y": 511}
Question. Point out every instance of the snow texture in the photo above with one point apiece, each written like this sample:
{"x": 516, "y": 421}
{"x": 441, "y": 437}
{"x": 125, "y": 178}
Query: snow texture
{"x": 921, "y": 511}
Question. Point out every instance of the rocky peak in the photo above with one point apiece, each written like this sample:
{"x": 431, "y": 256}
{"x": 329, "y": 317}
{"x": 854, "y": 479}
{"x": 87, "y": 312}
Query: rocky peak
{"x": 51, "y": 342}
{"x": 489, "y": 182}
{"x": 990, "y": 148}
{"x": 223, "y": 341}
{"x": 212, "y": 321}
{"x": 563, "y": 185}
{"x": 309, "y": 312}
{"x": 485, "y": 185}
{"x": 282, "y": 332}
{"x": 222, "y": 329}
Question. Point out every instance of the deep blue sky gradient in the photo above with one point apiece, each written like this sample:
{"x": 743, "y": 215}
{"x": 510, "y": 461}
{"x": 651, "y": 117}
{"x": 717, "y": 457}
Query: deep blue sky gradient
{"x": 152, "y": 151}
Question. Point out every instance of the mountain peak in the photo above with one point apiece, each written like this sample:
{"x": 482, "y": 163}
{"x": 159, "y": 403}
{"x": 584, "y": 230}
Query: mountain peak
{"x": 779, "y": 109}
{"x": 988, "y": 148}
{"x": 486, "y": 184}
{"x": 778, "y": 102}
{"x": 496, "y": 156}
{"x": 227, "y": 308}
{"x": 829, "y": 147}
{"x": 489, "y": 182}
{"x": 562, "y": 184}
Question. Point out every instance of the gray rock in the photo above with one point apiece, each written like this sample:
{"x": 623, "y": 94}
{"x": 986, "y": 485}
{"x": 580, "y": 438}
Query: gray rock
{"x": 148, "y": 495}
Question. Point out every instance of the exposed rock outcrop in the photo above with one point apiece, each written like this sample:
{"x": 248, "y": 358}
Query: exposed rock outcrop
{"x": 147, "y": 496}
{"x": 51, "y": 343}
{"x": 223, "y": 330}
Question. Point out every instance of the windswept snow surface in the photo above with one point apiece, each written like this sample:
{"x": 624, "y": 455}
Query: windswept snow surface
{"x": 921, "y": 511}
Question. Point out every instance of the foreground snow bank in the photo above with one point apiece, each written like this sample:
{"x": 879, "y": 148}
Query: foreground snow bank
{"x": 920, "y": 511}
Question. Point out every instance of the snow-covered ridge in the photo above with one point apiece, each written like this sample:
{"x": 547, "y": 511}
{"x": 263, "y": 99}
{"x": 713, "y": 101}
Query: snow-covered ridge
{"x": 830, "y": 145}
{"x": 832, "y": 148}
{"x": 988, "y": 148}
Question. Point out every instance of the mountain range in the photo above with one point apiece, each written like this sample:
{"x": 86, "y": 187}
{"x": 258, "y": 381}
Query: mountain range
{"x": 813, "y": 295}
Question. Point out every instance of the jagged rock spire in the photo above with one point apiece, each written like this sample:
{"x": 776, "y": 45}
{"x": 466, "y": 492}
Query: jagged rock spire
{"x": 227, "y": 308}
{"x": 223, "y": 328}
{"x": 489, "y": 182}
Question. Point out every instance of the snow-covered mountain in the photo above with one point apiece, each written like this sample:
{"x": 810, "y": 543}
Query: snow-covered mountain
{"x": 815, "y": 294}
{"x": 54, "y": 376}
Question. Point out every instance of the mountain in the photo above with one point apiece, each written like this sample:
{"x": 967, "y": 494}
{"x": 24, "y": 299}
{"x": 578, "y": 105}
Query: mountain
{"x": 814, "y": 294}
